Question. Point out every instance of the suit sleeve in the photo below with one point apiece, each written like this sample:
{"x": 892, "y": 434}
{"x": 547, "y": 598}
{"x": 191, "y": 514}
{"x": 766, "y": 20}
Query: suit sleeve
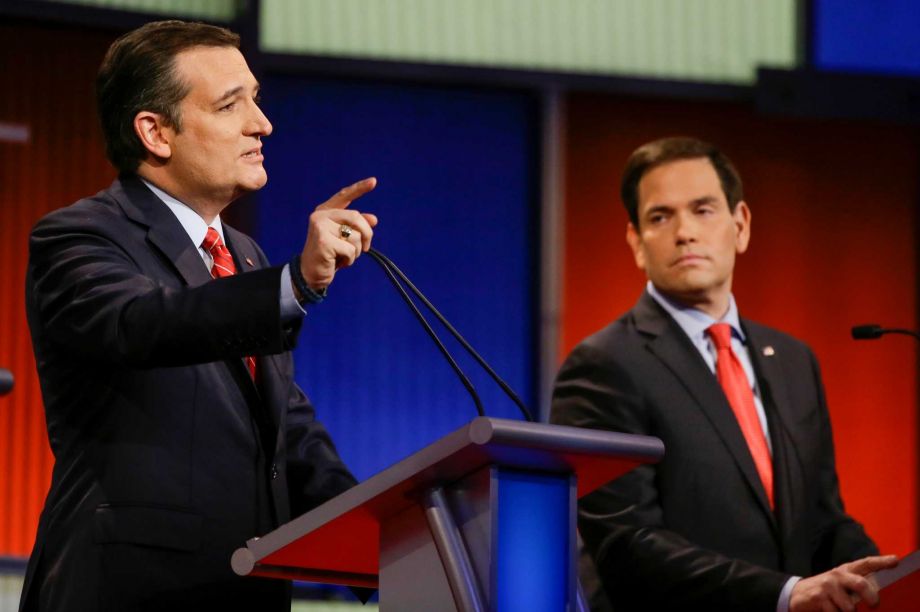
{"x": 84, "y": 284}
{"x": 315, "y": 471}
{"x": 838, "y": 538}
{"x": 641, "y": 564}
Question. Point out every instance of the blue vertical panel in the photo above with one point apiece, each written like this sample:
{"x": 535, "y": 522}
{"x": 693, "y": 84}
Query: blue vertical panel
{"x": 533, "y": 542}
{"x": 867, "y": 36}
{"x": 457, "y": 204}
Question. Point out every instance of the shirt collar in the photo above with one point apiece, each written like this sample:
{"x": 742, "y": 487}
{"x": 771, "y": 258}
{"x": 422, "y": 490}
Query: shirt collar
{"x": 695, "y": 322}
{"x": 191, "y": 221}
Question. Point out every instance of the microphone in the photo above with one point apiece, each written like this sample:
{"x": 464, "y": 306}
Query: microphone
{"x": 392, "y": 272}
{"x": 6, "y": 381}
{"x": 873, "y": 331}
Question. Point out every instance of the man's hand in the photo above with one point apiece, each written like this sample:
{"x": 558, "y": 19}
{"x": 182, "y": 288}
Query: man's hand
{"x": 328, "y": 248}
{"x": 840, "y": 588}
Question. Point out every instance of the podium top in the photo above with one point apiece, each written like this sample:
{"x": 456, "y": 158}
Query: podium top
{"x": 339, "y": 541}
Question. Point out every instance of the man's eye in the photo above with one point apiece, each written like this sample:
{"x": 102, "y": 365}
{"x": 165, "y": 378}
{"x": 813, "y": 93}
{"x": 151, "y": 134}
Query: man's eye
{"x": 257, "y": 99}
{"x": 228, "y": 107}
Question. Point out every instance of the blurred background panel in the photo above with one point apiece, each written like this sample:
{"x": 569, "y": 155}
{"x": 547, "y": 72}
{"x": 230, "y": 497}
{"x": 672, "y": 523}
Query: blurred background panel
{"x": 457, "y": 198}
{"x": 709, "y": 40}
{"x": 869, "y": 37}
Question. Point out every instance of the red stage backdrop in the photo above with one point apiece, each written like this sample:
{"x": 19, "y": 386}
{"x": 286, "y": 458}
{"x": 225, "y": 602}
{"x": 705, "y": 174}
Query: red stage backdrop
{"x": 834, "y": 232}
{"x": 47, "y": 91}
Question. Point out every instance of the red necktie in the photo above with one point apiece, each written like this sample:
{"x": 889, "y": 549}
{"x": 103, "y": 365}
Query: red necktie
{"x": 223, "y": 266}
{"x": 737, "y": 389}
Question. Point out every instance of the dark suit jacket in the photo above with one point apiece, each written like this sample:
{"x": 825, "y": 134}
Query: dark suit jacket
{"x": 167, "y": 455}
{"x": 695, "y": 531}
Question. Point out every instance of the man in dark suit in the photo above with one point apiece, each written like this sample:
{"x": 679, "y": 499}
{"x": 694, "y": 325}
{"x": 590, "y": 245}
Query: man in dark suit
{"x": 744, "y": 510}
{"x": 162, "y": 341}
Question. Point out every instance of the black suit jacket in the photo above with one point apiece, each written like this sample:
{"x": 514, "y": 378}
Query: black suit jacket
{"x": 168, "y": 456}
{"x": 696, "y": 531}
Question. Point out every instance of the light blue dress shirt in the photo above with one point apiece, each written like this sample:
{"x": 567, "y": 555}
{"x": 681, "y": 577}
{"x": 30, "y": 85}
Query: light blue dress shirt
{"x": 694, "y": 323}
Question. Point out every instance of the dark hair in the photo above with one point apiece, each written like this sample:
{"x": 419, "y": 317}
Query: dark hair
{"x": 139, "y": 74}
{"x": 658, "y": 152}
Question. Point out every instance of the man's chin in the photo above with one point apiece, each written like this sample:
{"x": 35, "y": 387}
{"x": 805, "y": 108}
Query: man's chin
{"x": 685, "y": 289}
{"x": 254, "y": 183}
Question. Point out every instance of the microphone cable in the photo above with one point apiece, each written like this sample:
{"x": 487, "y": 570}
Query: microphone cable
{"x": 431, "y": 333}
{"x": 393, "y": 271}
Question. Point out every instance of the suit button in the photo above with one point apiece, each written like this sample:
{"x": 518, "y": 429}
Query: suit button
{"x": 274, "y": 471}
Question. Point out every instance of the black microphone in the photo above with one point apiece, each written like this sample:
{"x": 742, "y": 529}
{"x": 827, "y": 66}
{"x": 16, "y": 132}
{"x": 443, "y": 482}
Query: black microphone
{"x": 391, "y": 269}
{"x": 6, "y": 381}
{"x": 872, "y": 331}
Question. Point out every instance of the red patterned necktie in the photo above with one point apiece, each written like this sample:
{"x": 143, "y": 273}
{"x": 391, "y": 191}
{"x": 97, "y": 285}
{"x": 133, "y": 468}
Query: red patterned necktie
{"x": 737, "y": 389}
{"x": 223, "y": 266}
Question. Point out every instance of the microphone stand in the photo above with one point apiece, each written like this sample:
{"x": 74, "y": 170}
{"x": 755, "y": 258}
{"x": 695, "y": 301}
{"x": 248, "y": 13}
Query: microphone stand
{"x": 873, "y": 331}
{"x": 6, "y": 382}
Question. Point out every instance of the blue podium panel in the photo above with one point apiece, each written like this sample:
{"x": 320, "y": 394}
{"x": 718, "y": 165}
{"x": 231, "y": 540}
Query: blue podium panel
{"x": 534, "y": 550}
{"x": 458, "y": 207}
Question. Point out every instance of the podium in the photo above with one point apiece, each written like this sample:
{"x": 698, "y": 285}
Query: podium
{"x": 899, "y": 587}
{"x": 482, "y": 519}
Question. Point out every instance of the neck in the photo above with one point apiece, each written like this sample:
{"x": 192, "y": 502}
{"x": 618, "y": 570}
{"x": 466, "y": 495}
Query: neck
{"x": 208, "y": 208}
{"x": 716, "y": 306}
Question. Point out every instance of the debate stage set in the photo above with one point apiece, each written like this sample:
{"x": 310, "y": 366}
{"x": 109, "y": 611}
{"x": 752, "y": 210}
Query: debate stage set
{"x": 497, "y": 131}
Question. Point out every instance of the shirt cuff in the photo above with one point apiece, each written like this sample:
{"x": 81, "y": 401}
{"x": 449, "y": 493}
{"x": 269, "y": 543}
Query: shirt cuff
{"x": 786, "y": 594}
{"x": 290, "y": 307}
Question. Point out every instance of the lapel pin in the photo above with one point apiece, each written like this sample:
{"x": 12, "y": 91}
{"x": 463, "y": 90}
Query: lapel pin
{"x": 768, "y": 351}
{"x": 249, "y": 261}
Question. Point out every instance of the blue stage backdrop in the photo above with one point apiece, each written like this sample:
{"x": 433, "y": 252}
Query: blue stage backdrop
{"x": 458, "y": 208}
{"x": 872, "y": 36}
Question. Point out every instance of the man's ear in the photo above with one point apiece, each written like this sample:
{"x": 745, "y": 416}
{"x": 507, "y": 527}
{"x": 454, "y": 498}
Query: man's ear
{"x": 634, "y": 240}
{"x": 742, "y": 219}
{"x": 155, "y": 135}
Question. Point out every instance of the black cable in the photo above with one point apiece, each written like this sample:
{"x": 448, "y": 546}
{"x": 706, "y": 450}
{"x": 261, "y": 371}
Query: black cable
{"x": 393, "y": 268}
{"x": 381, "y": 260}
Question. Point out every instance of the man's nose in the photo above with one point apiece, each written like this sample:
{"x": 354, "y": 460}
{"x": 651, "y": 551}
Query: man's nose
{"x": 259, "y": 123}
{"x": 685, "y": 228}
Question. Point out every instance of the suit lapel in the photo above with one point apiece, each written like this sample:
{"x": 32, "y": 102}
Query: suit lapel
{"x": 778, "y": 406}
{"x": 163, "y": 230}
{"x": 247, "y": 259}
{"x": 674, "y": 349}
{"x": 168, "y": 236}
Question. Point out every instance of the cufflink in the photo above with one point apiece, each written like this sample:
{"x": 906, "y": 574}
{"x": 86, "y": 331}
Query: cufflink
{"x": 768, "y": 351}
{"x": 249, "y": 261}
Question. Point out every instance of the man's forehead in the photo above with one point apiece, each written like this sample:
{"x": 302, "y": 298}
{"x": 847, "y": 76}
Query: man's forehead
{"x": 680, "y": 181}
{"x": 212, "y": 71}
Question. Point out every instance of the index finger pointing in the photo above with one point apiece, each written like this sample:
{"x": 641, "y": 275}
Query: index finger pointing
{"x": 347, "y": 195}
{"x": 868, "y": 565}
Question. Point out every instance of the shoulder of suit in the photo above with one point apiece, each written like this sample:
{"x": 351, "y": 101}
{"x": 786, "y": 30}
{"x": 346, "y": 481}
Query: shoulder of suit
{"x": 99, "y": 210}
{"x": 619, "y": 336}
{"x": 763, "y": 335}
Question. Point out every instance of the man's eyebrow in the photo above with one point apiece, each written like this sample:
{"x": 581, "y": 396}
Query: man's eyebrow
{"x": 656, "y": 208}
{"x": 230, "y": 93}
{"x": 709, "y": 199}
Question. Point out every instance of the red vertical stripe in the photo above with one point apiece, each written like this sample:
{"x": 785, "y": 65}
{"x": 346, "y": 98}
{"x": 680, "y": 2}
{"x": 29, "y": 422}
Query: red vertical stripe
{"x": 47, "y": 73}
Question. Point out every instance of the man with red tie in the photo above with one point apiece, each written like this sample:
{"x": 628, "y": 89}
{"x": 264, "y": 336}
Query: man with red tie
{"x": 744, "y": 511}
{"x": 162, "y": 340}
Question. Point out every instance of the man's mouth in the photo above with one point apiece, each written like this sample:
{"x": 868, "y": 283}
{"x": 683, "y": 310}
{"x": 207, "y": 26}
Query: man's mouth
{"x": 688, "y": 259}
